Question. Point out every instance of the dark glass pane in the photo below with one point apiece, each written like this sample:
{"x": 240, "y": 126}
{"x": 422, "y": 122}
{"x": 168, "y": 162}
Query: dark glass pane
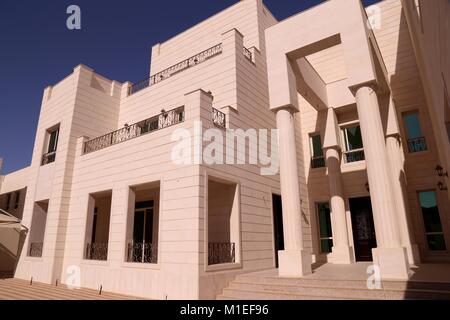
{"x": 430, "y": 212}
{"x": 354, "y": 138}
{"x": 326, "y": 245}
{"x": 412, "y": 125}
{"x": 144, "y": 204}
{"x": 138, "y": 232}
{"x": 149, "y": 226}
{"x": 436, "y": 242}
{"x": 53, "y": 141}
{"x": 324, "y": 220}
{"x": 317, "y": 146}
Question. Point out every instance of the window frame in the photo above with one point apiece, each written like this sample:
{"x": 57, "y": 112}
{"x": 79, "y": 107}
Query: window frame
{"x": 406, "y": 133}
{"x": 319, "y": 236}
{"x": 344, "y": 142}
{"x": 425, "y": 233}
{"x": 311, "y": 148}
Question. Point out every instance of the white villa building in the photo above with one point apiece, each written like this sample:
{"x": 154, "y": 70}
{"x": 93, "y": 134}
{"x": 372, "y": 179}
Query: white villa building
{"x": 360, "y": 98}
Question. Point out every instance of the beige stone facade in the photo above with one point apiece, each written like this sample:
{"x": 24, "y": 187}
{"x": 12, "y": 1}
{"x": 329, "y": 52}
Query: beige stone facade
{"x": 363, "y": 120}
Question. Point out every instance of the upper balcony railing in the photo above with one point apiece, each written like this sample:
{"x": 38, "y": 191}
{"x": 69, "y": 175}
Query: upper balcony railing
{"x": 181, "y": 66}
{"x": 219, "y": 118}
{"x": 354, "y": 155}
{"x": 161, "y": 121}
{"x": 248, "y": 54}
{"x": 417, "y": 145}
{"x": 48, "y": 158}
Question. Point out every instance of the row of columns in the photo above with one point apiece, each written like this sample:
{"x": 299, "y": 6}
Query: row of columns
{"x": 394, "y": 250}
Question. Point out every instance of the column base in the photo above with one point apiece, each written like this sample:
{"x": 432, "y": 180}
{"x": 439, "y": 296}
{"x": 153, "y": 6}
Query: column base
{"x": 342, "y": 255}
{"x": 393, "y": 263}
{"x": 294, "y": 263}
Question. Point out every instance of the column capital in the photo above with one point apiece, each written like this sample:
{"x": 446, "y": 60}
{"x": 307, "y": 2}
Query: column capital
{"x": 371, "y": 85}
{"x": 289, "y": 107}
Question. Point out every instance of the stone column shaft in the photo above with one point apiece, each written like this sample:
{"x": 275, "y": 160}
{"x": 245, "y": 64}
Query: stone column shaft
{"x": 293, "y": 261}
{"x": 389, "y": 255}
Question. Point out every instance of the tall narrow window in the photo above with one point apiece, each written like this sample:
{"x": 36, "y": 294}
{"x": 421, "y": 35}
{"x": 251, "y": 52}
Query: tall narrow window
{"x": 354, "y": 148}
{"x": 416, "y": 140}
{"x": 325, "y": 233}
{"x": 446, "y": 110}
{"x": 52, "y": 144}
{"x": 17, "y": 199}
{"x": 8, "y": 202}
{"x": 432, "y": 221}
{"x": 317, "y": 158}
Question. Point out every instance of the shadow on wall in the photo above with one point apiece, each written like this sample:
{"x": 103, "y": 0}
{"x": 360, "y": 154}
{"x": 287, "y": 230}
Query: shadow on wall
{"x": 12, "y": 241}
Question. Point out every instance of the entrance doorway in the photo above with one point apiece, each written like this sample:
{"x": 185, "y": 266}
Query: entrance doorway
{"x": 363, "y": 228}
{"x": 277, "y": 225}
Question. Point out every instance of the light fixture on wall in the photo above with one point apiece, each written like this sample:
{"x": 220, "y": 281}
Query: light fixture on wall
{"x": 441, "y": 186}
{"x": 440, "y": 171}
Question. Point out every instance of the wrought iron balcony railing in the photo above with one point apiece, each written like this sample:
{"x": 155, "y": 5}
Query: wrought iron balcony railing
{"x": 354, "y": 155}
{"x": 142, "y": 252}
{"x": 161, "y": 121}
{"x": 48, "y": 158}
{"x": 97, "y": 251}
{"x": 219, "y": 252}
{"x": 417, "y": 145}
{"x": 248, "y": 54}
{"x": 219, "y": 118}
{"x": 181, "y": 66}
{"x": 36, "y": 249}
{"x": 317, "y": 162}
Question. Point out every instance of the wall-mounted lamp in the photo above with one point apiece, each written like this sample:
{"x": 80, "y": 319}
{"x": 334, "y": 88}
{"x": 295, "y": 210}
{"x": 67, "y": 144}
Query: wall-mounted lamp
{"x": 367, "y": 187}
{"x": 440, "y": 171}
{"x": 441, "y": 186}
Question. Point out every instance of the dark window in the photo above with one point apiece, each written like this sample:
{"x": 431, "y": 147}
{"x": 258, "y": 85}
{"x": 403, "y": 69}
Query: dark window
{"x": 8, "y": 201}
{"x": 317, "y": 158}
{"x": 325, "y": 233}
{"x": 354, "y": 148}
{"x": 53, "y": 140}
{"x": 432, "y": 221}
{"x": 416, "y": 140}
{"x": 17, "y": 200}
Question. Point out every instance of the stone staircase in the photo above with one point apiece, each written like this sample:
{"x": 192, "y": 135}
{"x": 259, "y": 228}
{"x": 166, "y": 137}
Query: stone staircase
{"x": 263, "y": 286}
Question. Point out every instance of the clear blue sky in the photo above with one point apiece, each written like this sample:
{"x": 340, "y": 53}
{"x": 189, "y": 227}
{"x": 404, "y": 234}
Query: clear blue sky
{"x": 37, "y": 50}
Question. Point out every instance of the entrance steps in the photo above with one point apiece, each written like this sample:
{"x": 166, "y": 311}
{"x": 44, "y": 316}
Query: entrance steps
{"x": 268, "y": 286}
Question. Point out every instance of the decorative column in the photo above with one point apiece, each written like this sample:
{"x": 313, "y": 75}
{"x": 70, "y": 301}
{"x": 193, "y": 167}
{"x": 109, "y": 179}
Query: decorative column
{"x": 389, "y": 255}
{"x": 341, "y": 251}
{"x": 293, "y": 260}
{"x": 395, "y": 158}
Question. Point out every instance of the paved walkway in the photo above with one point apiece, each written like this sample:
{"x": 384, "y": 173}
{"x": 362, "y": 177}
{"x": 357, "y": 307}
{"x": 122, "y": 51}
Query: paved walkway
{"x": 15, "y": 289}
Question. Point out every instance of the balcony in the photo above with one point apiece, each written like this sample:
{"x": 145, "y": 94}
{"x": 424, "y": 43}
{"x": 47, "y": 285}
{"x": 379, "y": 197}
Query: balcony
{"x": 161, "y": 121}
{"x": 177, "y": 68}
{"x": 97, "y": 251}
{"x": 219, "y": 118}
{"x": 48, "y": 158}
{"x": 317, "y": 162}
{"x": 354, "y": 155}
{"x": 417, "y": 145}
{"x": 181, "y": 66}
{"x": 219, "y": 253}
{"x": 36, "y": 249}
{"x": 142, "y": 252}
